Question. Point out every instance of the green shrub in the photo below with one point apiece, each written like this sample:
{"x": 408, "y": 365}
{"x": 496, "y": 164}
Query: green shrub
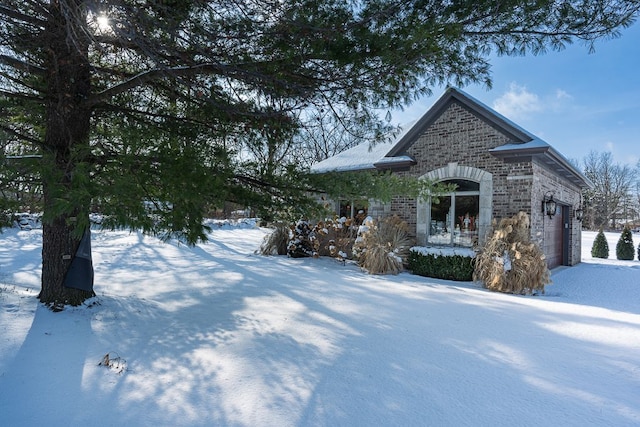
{"x": 449, "y": 267}
{"x": 600, "y": 247}
{"x": 624, "y": 248}
{"x": 639, "y": 252}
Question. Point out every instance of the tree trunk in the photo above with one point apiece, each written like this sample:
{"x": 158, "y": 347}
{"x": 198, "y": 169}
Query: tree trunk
{"x": 66, "y": 146}
{"x": 59, "y": 245}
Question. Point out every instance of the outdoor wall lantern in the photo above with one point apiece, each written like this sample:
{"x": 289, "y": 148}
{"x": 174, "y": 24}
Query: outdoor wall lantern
{"x": 548, "y": 204}
{"x": 579, "y": 213}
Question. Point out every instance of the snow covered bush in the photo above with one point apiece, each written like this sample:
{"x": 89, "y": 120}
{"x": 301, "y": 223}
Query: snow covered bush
{"x": 331, "y": 237}
{"x": 509, "y": 262}
{"x": 456, "y": 264}
{"x": 600, "y": 248}
{"x": 624, "y": 248}
{"x": 383, "y": 247}
{"x": 304, "y": 242}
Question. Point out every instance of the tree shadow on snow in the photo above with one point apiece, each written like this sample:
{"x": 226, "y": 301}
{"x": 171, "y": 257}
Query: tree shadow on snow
{"x": 43, "y": 383}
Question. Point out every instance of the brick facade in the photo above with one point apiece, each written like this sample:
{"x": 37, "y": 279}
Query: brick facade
{"x": 457, "y": 145}
{"x": 505, "y": 169}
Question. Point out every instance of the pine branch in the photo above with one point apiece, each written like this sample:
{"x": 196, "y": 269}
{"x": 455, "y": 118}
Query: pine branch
{"x": 21, "y": 136}
{"x": 18, "y": 16}
{"x": 22, "y": 65}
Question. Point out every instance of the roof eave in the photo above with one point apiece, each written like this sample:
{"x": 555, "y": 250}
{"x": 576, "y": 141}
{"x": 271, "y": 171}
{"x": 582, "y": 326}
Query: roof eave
{"x": 344, "y": 170}
{"x": 549, "y": 157}
{"x": 401, "y": 165}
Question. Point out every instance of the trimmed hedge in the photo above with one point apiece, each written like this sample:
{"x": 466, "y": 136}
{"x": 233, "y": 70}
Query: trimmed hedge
{"x": 449, "y": 267}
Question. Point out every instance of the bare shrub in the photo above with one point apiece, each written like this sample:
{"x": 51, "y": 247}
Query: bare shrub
{"x": 383, "y": 248}
{"x": 336, "y": 237}
{"x": 509, "y": 262}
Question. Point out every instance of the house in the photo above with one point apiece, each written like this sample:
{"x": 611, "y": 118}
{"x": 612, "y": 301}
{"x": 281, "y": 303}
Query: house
{"x": 498, "y": 167}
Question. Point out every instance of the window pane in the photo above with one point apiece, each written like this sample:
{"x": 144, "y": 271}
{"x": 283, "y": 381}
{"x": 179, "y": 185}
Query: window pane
{"x": 464, "y": 185}
{"x": 466, "y": 218}
{"x": 439, "y": 230}
{"x": 353, "y": 209}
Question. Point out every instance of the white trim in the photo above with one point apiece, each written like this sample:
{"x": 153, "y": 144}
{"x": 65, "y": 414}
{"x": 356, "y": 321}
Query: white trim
{"x": 455, "y": 171}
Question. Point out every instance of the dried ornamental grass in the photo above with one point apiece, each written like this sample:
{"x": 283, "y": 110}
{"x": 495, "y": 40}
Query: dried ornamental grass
{"x": 509, "y": 262}
{"x": 384, "y": 247}
{"x": 276, "y": 242}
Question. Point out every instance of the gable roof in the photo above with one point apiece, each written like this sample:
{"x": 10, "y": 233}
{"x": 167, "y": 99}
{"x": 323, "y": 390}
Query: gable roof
{"x": 524, "y": 146}
{"x": 451, "y": 95}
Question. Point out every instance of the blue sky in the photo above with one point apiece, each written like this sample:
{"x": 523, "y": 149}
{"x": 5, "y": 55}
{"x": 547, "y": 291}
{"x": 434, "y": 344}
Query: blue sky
{"x": 574, "y": 100}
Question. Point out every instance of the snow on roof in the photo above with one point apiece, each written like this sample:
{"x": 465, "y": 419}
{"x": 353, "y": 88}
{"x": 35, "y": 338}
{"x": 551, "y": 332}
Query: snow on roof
{"x": 396, "y": 159}
{"x": 363, "y": 156}
{"x": 444, "y": 251}
{"x": 534, "y": 143}
{"x": 360, "y": 157}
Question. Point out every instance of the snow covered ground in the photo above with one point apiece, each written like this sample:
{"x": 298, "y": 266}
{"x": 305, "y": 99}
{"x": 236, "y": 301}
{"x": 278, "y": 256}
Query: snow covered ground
{"x": 216, "y": 335}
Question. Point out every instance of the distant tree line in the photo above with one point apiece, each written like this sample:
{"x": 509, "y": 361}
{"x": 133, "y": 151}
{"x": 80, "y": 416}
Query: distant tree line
{"x": 614, "y": 200}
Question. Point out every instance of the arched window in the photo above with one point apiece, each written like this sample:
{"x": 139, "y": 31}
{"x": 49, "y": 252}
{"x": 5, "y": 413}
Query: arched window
{"x": 453, "y": 218}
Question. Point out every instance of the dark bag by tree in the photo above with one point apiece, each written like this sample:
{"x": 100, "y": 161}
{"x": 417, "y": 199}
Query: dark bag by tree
{"x": 80, "y": 273}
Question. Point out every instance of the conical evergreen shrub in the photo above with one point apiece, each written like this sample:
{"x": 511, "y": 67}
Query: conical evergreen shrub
{"x": 600, "y": 247}
{"x": 624, "y": 248}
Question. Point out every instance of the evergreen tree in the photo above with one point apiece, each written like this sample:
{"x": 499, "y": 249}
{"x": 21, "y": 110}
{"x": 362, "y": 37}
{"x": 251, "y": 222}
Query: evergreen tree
{"x": 144, "y": 108}
{"x": 600, "y": 247}
{"x": 624, "y": 247}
